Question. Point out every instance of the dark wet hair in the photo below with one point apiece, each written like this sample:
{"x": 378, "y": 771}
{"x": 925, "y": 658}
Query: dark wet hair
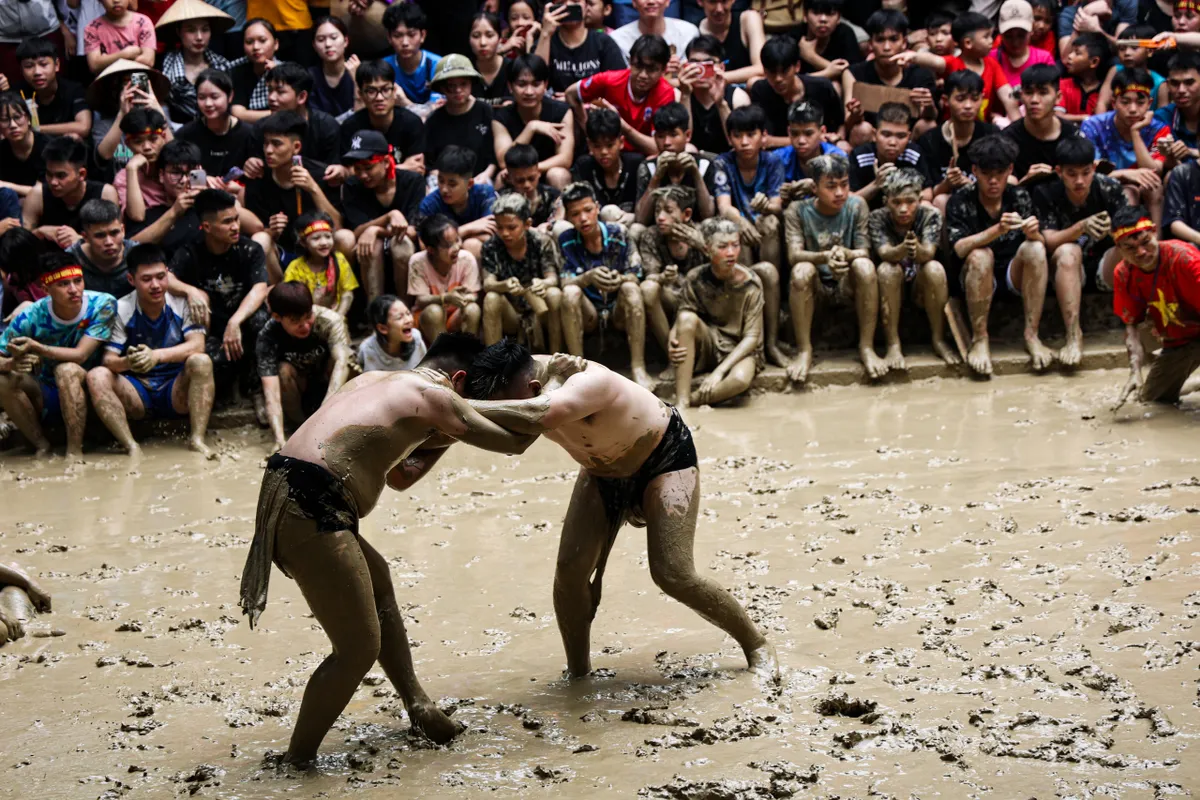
{"x": 266, "y": 23}
{"x": 672, "y": 117}
{"x": 963, "y": 80}
{"x": 993, "y": 152}
{"x": 780, "y": 52}
{"x": 14, "y": 105}
{"x": 410, "y": 15}
{"x": 141, "y": 119}
{"x": 1184, "y": 60}
{"x": 886, "y": 19}
{"x": 650, "y": 50}
{"x": 491, "y": 19}
{"x": 452, "y": 352}
{"x": 805, "y": 113}
{"x": 824, "y": 6}
{"x": 532, "y": 63}
{"x": 144, "y": 255}
{"x": 306, "y": 219}
{"x": 895, "y": 113}
{"x": 336, "y": 22}
{"x": 1096, "y": 46}
{"x": 370, "y": 71}
{"x": 98, "y": 211}
{"x": 64, "y": 150}
{"x": 378, "y": 310}
{"x": 20, "y": 250}
{"x": 432, "y": 230}
{"x": 1134, "y": 76}
{"x": 966, "y": 24}
{"x": 53, "y": 261}
{"x": 1075, "y": 151}
{"x": 179, "y": 151}
{"x": 455, "y": 160}
{"x": 937, "y": 19}
{"x": 521, "y": 156}
{"x": 286, "y": 123}
{"x": 706, "y": 43}
{"x": 36, "y": 48}
{"x": 290, "y": 299}
{"x": 213, "y": 201}
{"x": 496, "y": 368}
{"x": 746, "y": 119}
{"x": 291, "y": 74}
{"x": 577, "y": 192}
{"x": 218, "y": 78}
{"x": 603, "y": 123}
{"x": 1128, "y": 215}
{"x": 1040, "y": 75}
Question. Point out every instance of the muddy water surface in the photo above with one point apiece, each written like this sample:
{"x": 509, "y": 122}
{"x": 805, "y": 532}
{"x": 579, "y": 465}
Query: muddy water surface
{"x": 976, "y": 590}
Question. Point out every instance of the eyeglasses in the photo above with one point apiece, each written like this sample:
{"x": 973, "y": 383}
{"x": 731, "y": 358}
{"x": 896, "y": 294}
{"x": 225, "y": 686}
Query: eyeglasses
{"x": 378, "y": 91}
{"x": 176, "y": 173}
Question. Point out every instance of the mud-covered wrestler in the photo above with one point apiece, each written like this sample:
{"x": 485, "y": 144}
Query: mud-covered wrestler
{"x": 382, "y": 428}
{"x": 638, "y": 466}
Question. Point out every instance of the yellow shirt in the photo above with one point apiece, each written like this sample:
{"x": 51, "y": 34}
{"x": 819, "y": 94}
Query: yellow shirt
{"x": 300, "y": 271}
{"x": 285, "y": 15}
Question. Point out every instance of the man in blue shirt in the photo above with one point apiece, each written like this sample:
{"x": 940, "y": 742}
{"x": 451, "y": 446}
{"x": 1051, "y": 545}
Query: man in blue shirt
{"x": 414, "y": 67}
{"x": 1182, "y": 115}
{"x": 806, "y": 129}
{"x": 45, "y": 351}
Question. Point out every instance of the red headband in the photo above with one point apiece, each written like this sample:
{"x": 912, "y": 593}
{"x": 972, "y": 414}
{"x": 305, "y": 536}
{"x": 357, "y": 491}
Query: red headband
{"x": 1187, "y": 5}
{"x": 1142, "y": 224}
{"x": 388, "y": 157}
{"x": 64, "y": 274}
{"x": 148, "y": 132}
{"x": 316, "y": 227}
{"x": 1133, "y": 87}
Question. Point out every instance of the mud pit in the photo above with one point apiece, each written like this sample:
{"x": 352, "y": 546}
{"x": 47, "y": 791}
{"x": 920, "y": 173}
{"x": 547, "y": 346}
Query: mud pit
{"x": 976, "y": 590}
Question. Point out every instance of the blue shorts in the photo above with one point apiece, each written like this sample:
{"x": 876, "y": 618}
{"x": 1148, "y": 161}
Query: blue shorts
{"x": 51, "y": 410}
{"x": 156, "y": 399}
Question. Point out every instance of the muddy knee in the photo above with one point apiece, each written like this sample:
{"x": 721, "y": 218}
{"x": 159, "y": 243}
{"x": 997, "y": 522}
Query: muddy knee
{"x": 672, "y": 579}
{"x": 651, "y": 292}
{"x": 198, "y": 365}
{"x": 889, "y": 274}
{"x": 99, "y": 379}
{"x": 554, "y": 297}
{"x": 493, "y": 304}
{"x": 804, "y": 276}
{"x": 572, "y": 296}
{"x": 65, "y": 374}
{"x": 979, "y": 261}
{"x": 687, "y": 322}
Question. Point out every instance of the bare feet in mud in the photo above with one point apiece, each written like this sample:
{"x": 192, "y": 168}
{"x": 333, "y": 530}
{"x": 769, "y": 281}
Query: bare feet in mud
{"x": 776, "y": 356}
{"x": 946, "y": 353}
{"x": 75, "y": 456}
{"x": 667, "y": 374}
{"x": 1040, "y": 355}
{"x": 432, "y": 723}
{"x": 797, "y": 371}
{"x": 260, "y": 411}
{"x": 1072, "y": 352}
{"x": 643, "y": 379}
{"x": 763, "y": 661}
{"x": 876, "y": 367}
{"x": 980, "y": 357}
{"x": 895, "y": 359}
{"x": 197, "y": 445}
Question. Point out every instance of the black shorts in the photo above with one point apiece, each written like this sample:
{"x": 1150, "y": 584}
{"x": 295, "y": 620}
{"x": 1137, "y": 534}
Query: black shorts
{"x": 624, "y": 496}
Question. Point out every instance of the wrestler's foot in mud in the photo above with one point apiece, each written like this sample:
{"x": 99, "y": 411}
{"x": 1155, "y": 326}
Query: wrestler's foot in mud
{"x": 797, "y": 371}
{"x": 876, "y": 367}
{"x": 432, "y": 723}
{"x": 894, "y": 358}
{"x": 980, "y": 357}
{"x": 197, "y": 445}
{"x": 643, "y": 379}
{"x": 945, "y": 352}
{"x": 763, "y": 661}
{"x": 1039, "y": 355}
{"x": 1072, "y": 352}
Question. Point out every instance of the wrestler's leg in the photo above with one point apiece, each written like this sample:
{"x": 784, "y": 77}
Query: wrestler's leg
{"x": 396, "y": 658}
{"x": 585, "y": 532}
{"x": 671, "y": 504}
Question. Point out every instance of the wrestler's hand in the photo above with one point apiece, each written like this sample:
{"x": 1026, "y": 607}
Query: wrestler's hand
{"x": 795, "y": 190}
{"x": 686, "y": 162}
{"x": 21, "y": 346}
{"x": 1097, "y": 226}
{"x": 1132, "y": 387}
{"x": 684, "y": 232}
{"x": 141, "y": 359}
{"x": 513, "y": 286}
{"x": 198, "y": 305}
{"x": 38, "y": 596}
{"x": 26, "y": 364}
{"x": 563, "y": 366}
{"x": 750, "y": 234}
{"x": 538, "y": 287}
{"x": 910, "y": 244}
{"x": 882, "y": 171}
{"x": 670, "y": 273}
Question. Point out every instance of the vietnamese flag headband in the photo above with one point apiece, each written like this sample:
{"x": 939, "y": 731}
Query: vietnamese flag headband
{"x": 64, "y": 274}
{"x": 1187, "y": 5}
{"x": 1143, "y": 224}
{"x": 317, "y": 226}
{"x": 1134, "y": 87}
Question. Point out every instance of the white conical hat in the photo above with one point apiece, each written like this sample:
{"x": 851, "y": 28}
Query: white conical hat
{"x": 183, "y": 10}
{"x": 103, "y": 85}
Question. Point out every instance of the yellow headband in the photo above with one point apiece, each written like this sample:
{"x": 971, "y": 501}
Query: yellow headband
{"x": 1134, "y": 87}
{"x": 64, "y": 274}
{"x": 1142, "y": 224}
{"x": 316, "y": 227}
{"x": 1187, "y": 5}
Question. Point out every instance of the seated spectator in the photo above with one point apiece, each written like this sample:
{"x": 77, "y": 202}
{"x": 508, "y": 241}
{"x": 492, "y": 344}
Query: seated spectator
{"x": 1182, "y": 114}
{"x": 675, "y": 165}
{"x": 20, "y": 253}
{"x": 827, "y": 45}
{"x": 888, "y": 29}
{"x": 1013, "y": 52}
{"x": 227, "y": 279}
{"x": 1038, "y": 133}
{"x": 573, "y": 49}
{"x": 523, "y": 27}
{"x": 444, "y": 282}
{"x": 708, "y": 99}
{"x": 119, "y": 33}
{"x": 747, "y": 182}
{"x": 1181, "y": 204}
{"x": 740, "y": 33}
{"x": 652, "y": 21}
{"x": 223, "y": 139}
{"x": 1076, "y": 212}
{"x": 333, "y": 79}
{"x": 21, "y": 597}
{"x": 806, "y": 132}
{"x": 520, "y": 280}
{"x": 1128, "y": 137}
{"x": 288, "y": 189}
{"x": 138, "y": 185}
{"x": 187, "y": 29}
{"x": 830, "y": 254}
{"x": 396, "y": 343}
{"x": 870, "y": 163}
{"x": 1159, "y": 281}
{"x": 1131, "y": 56}
{"x": 489, "y": 61}
{"x": 260, "y": 43}
{"x": 719, "y": 327}
{"x": 51, "y": 210}
{"x": 1086, "y": 65}
{"x": 1041, "y": 35}
{"x": 380, "y": 204}
{"x": 522, "y": 165}
{"x": 113, "y": 94}
{"x": 534, "y": 119}
{"x": 62, "y": 107}
{"x": 288, "y": 86}
{"x": 600, "y": 280}
{"x": 904, "y": 237}
{"x": 946, "y": 149}
{"x": 413, "y": 67}
{"x": 45, "y": 352}
{"x": 463, "y": 121}
{"x": 303, "y": 356}
{"x": 608, "y": 168}
{"x": 466, "y": 203}
{"x": 325, "y": 272}
{"x": 939, "y": 35}
{"x": 670, "y": 249}
{"x": 103, "y": 249}
{"x": 401, "y": 128}
{"x": 634, "y": 93}
{"x": 784, "y": 86}
{"x": 997, "y": 245}
{"x": 154, "y": 365}
{"x": 22, "y": 160}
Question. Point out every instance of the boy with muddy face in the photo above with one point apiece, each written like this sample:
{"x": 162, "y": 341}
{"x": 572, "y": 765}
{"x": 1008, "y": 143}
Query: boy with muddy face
{"x": 670, "y": 250}
{"x": 382, "y": 428}
{"x": 638, "y": 465}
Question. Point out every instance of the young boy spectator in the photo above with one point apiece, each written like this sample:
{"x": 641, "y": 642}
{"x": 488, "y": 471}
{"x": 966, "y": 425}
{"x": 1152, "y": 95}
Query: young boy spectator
{"x": 719, "y": 327}
{"x": 1041, "y": 34}
{"x": 51, "y": 209}
{"x": 652, "y": 21}
{"x": 413, "y": 67}
{"x": 870, "y": 163}
{"x": 466, "y": 203}
{"x": 827, "y": 45}
{"x": 997, "y": 244}
{"x": 522, "y": 164}
{"x": 520, "y": 279}
{"x": 45, "y": 352}
{"x": 939, "y": 34}
{"x": 535, "y": 119}
{"x": 119, "y": 33}
{"x": 830, "y": 255}
{"x": 1182, "y": 114}
{"x": 600, "y": 278}
{"x": 154, "y": 365}
{"x": 708, "y": 99}
{"x": 1086, "y": 63}
{"x": 320, "y": 267}
{"x": 1014, "y": 53}
{"x": 463, "y": 120}
{"x": 947, "y": 147}
{"x": 444, "y": 282}
{"x": 904, "y": 236}
{"x": 572, "y": 50}
{"x": 634, "y": 93}
{"x": 396, "y": 344}
{"x": 62, "y": 107}
{"x": 739, "y": 32}
{"x": 1077, "y": 210}
{"x": 103, "y": 249}
{"x": 174, "y": 223}
{"x": 138, "y": 185}
{"x": 806, "y": 132}
{"x": 608, "y": 168}
{"x": 1038, "y": 133}
{"x": 674, "y": 165}
{"x": 381, "y": 204}
{"x": 22, "y": 163}
{"x": 784, "y": 86}
{"x": 303, "y": 357}
{"x": 670, "y": 249}
{"x": 402, "y": 129}
{"x": 887, "y": 30}
{"x": 1131, "y": 56}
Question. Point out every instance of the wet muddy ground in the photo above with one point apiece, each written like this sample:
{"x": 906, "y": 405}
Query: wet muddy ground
{"x": 976, "y": 590}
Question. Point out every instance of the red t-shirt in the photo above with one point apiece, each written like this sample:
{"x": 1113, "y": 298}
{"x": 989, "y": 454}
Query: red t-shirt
{"x": 1049, "y": 43}
{"x": 1170, "y": 295}
{"x": 993, "y": 79}
{"x": 613, "y": 86}
{"x": 1074, "y": 101}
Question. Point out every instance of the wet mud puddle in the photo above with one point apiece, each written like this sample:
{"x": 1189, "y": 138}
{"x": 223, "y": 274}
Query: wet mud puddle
{"x": 976, "y": 590}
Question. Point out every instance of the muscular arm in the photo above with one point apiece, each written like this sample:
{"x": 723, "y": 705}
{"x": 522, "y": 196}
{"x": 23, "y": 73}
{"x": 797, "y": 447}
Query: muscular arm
{"x": 79, "y": 354}
{"x": 455, "y": 417}
{"x": 581, "y": 395}
{"x": 413, "y": 468}
{"x": 982, "y": 239}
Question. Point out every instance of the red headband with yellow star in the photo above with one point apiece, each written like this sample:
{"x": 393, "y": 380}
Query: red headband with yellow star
{"x": 148, "y": 132}
{"x": 316, "y": 227}
{"x": 1187, "y": 5}
{"x": 1143, "y": 224}
{"x": 1134, "y": 87}
{"x": 64, "y": 274}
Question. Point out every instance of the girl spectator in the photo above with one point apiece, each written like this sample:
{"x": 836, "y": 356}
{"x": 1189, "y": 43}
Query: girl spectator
{"x": 333, "y": 80}
{"x": 221, "y": 137}
{"x": 523, "y": 27}
{"x": 259, "y": 43}
{"x": 493, "y": 67}
{"x": 190, "y": 26}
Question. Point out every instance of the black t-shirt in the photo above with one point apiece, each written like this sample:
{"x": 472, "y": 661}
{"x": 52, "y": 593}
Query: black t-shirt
{"x": 472, "y": 130}
{"x": 68, "y": 101}
{"x": 624, "y": 194}
{"x": 1057, "y": 212}
{"x": 708, "y": 132}
{"x": 244, "y": 81}
{"x": 1034, "y": 150}
{"x": 842, "y": 44}
{"x": 265, "y": 198}
{"x": 552, "y": 111}
{"x": 275, "y": 346}
{"x": 737, "y": 55}
{"x": 321, "y": 141}
{"x": 818, "y": 91}
{"x": 910, "y": 78}
{"x": 184, "y": 232}
{"x": 27, "y": 172}
{"x": 219, "y": 154}
{"x": 598, "y": 53}
{"x": 227, "y": 278}
{"x": 938, "y": 152}
{"x": 966, "y": 216}
{"x": 862, "y": 167}
{"x": 1182, "y": 200}
{"x": 495, "y": 92}
{"x": 406, "y": 133}
{"x": 56, "y": 212}
{"x": 361, "y": 205}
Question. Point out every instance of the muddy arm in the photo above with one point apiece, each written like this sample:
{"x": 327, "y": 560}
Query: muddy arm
{"x": 467, "y": 425}
{"x": 12, "y": 576}
{"x": 581, "y": 395}
{"x": 413, "y": 468}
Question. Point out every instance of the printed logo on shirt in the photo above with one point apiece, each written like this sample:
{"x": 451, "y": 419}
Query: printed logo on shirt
{"x": 720, "y": 179}
{"x": 587, "y": 82}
